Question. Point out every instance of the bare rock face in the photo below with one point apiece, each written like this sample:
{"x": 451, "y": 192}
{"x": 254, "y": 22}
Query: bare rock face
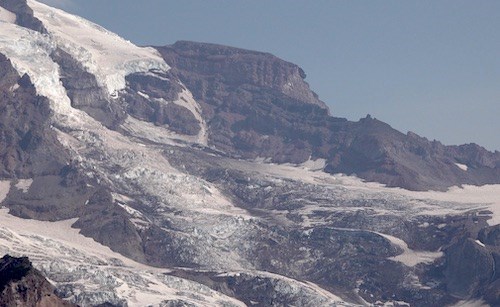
{"x": 24, "y": 14}
{"x": 156, "y": 90}
{"x": 28, "y": 147}
{"x": 469, "y": 268}
{"x": 22, "y": 285}
{"x": 109, "y": 224}
{"x": 235, "y": 68}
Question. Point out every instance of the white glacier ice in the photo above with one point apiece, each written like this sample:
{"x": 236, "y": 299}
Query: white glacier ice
{"x": 106, "y": 55}
{"x": 29, "y": 53}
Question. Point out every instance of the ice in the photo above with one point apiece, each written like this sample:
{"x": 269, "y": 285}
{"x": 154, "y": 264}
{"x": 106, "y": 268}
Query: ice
{"x": 314, "y": 165}
{"x": 143, "y": 94}
{"x": 408, "y": 257}
{"x": 471, "y": 303}
{"x": 106, "y": 55}
{"x": 29, "y": 52}
{"x": 486, "y": 197}
{"x": 462, "y": 166}
{"x": 304, "y": 290}
{"x": 454, "y": 201}
{"x": 148, "y": 131}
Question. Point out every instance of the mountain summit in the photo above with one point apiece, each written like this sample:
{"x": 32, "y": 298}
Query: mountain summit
{"x": 209, "y": 175}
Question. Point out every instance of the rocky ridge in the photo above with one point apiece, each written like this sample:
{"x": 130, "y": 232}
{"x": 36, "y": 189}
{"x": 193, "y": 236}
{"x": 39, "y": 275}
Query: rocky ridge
{"x": 257, "y": 105}
{"x": 23, "y": 285}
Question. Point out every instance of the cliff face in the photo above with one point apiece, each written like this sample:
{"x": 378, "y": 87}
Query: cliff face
{"x": 28, "y": 147}
{"x": 22, "y": 285}
{"x": 257, "y": 105}
{"x": 231, "y": 68}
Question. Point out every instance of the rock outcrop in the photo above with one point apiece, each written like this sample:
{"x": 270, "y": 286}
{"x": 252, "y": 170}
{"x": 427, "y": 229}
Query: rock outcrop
{"x": 23, "y": 285}
{"x": 24, "y": 15}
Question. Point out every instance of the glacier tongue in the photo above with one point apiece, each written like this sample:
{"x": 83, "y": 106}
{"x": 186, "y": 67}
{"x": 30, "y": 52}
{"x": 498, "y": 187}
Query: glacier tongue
{"x": 104, "y": 54}
{"x": 89, "y": 273}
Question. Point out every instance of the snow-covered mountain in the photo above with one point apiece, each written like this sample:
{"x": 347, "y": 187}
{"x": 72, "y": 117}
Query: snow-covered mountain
{"x": 204, "y": 175}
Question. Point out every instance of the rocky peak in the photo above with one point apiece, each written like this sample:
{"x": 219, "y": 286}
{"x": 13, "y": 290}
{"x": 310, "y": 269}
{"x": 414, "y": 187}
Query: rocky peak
{"x": 241, "y": 68}
{"x": 23, "y": 285}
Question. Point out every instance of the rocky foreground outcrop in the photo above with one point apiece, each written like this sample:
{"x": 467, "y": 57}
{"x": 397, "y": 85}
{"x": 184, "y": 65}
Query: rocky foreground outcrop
{"x": 23, "y": 285}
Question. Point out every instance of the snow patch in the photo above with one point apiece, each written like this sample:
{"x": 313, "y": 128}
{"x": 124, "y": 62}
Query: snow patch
{"x": 471, "y": 303}
{"x": 104, "y": 54}
{"x": 143, "y": 94}
{"x": 4, "y": 190}
{"x": 314, "y": 165}
{"x": 408, "y": 257}
{"x": 156, "y": 134}
{"x": 462, "y": 166}
{"x": 292, "y": 285}
{"x": 14, "y": 87}
{"x": 24, "y": 184}
{"x": 411, "y": 257}
{"x": 480, "y": 243}
{"x": 7, "y": 16}
{"x": 187, "y": 101}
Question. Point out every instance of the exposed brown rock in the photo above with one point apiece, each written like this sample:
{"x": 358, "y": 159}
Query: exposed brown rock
{"x": 28, "y": 147}
{"x": 23, "y": 285}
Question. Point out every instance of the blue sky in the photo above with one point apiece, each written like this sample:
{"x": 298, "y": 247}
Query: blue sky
{"x": 431, "y": 67}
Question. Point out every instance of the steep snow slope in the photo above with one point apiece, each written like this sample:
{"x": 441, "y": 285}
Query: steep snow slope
{"x": 29, "y": 52}
{"x": 106, "y": 55}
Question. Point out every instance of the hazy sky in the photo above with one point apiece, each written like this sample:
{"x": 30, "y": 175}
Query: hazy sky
{"x": 432, "y": 67}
